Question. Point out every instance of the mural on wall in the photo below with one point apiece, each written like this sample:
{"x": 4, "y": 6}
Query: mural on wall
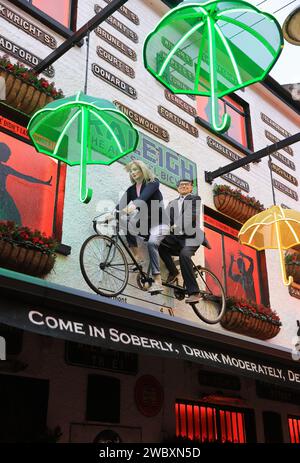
{"x": 28, "y": 182}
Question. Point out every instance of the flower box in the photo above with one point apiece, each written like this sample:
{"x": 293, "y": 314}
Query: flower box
{"x": 253, "y": 320}
{"x": 25, "y": 91}
{"x": 26, "y": 251}
{"x": 234, "y": 204}
{"x": 14, "y": 256}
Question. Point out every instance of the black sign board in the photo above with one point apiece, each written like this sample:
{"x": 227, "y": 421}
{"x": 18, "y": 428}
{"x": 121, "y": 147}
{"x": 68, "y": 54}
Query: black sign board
{"x": 275, "y": 139}
{"x": 27, "y": 26}
{"x": 237, "y": 181}
{"x": 116, "y": 62}
{"x": 284, "y": 174}
{"x": 178, "y": 121}
{"x": 219, "y": 380}
{"x": 119, "y": 26}
{"x": 278, "y": 393}
{"x": 116, "y": 43}
{"x": 127, "y": 13}
{"x": 113, "y": 80}
{"x": 275, "y": 126}
{"x": 285, "y": 189}
{"x": 180, "y": 103}
{"x": 23, "y": 55}
{"x": 87, "y": 356}
{"x": 76, "y": 327}
{"x": 217, "y": 146}
{"x": 286, "y": 161}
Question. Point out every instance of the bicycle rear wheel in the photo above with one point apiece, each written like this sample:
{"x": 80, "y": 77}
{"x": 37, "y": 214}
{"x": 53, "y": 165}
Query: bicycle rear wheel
{"x": 212, "y": 304}
{"x": 103, "y": 265}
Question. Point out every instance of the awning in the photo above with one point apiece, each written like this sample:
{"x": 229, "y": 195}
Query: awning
{"x": 52, "y": 310}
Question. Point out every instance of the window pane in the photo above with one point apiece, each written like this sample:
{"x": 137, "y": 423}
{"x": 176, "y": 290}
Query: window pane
{"x": 60, "y": 10}
{"x": 213, "y": 257}
{"x": 203, "y": 108}
{"x": 237, "y": 129}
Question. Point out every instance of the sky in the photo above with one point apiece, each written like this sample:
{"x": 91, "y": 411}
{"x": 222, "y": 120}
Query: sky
{"x": 287, "y": 68}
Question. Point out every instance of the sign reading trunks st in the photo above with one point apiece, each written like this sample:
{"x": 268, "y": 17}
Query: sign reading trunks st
{"x": 116, "y": 43}
{"x": 114, "y": 81}
{"x": 23, "y": 55}
{"x": 143, "y": 122}
{"x": 27, "y": 26}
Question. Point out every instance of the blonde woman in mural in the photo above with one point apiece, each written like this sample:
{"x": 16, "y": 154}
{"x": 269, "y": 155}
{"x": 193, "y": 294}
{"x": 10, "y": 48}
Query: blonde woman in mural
{"x": 142, "y": 202}
{"x": 8, "y": 208}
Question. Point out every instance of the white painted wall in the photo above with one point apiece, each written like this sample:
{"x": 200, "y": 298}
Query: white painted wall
{"x": 108, "y": 182}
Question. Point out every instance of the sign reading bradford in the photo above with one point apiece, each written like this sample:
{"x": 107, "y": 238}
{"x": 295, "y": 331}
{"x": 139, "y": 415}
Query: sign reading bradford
{"x": 283, "y": 173}
{"x": 215, "y": 145}
{"x": 180, "y": 103}
{"x": 143, "y": 122}
{"x": 274, "y": 139}
{"x": 23, "y": 55}
{"x": 167, "y": 165}
{"x": 119, "y": 26}
{"x": 116, "y": 43}
{"x": 285, "y": 189}
{"x": 116, "y": 62}
{"x": 171, "y": 117}
{"x": 114, "y": 81}
{"x": 127, "y": 13}
{"x": 236, "y": 181}
{"x": 275, "y": 126}
{"x": 27, "y": 26}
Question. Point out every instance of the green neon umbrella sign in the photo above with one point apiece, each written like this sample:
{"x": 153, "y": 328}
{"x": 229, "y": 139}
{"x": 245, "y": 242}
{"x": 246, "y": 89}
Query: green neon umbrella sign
{"x": 82, "y": 130}
{"x": 212, "y": 49}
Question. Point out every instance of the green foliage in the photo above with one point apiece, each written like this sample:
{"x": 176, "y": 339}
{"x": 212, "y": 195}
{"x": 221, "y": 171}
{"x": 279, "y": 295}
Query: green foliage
{"x": 251, "y": 201}
{"x": 34, "y": 239}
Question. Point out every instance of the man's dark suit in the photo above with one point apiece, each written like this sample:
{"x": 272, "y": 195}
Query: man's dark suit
{"x": 185, "y": 240}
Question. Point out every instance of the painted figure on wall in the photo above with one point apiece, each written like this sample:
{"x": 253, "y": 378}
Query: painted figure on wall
{"x": 8, "y": 208}
{"x": 245, "y": 275}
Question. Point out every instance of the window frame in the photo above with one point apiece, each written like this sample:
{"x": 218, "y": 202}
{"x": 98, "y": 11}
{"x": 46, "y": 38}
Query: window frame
{"x": 248, "y": 127}
{"x": 47, "y": 20}
{"x": 260, "y": 255}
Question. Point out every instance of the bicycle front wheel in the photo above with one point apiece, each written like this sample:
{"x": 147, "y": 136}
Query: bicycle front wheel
{"x": 103, "y": 265}
{"x": 212, "y": 304}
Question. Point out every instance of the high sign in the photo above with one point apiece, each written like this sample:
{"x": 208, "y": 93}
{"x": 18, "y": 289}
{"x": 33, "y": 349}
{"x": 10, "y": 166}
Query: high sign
{"x": 23, "y": 55}
{"x": 27, "y": 26}
{"x": 116, "y": 43}
{"x": 178, "y": 121}
{"x": 143, "y": 122}
{"x": 180, "y": 103}
{"x": 275, "y": 126}
{"x": 113, "y": 80}
{"x": 285, "y": 189}
{"x": 283, "y": 173}
{"x": 237, "y": 181}
{"x": 275, "y": 139}
{"x": 116, "y": 62}
{"x": 286, "y": 161}
{"x": 127, "y": 13}
{"x": 229, "y": 154}
{"x": 119, "y": 26}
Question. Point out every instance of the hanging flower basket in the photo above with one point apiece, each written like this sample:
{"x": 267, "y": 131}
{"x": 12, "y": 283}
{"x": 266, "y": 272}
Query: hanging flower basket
{"x": 26, "y": 251}
{"x": 24, "y": 90}
{"x": 252, "y": 320}
{"x": 234, "y": 204}
{"x": 292, "y": 264}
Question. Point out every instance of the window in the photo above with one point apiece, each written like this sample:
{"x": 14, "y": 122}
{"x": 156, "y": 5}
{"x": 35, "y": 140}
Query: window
{"x": 239, "y": 132}
{"x": 294, "y": 429}
{"x": 204, "y": 422}
{"x": 29, "y": 182}
{"x": 59, "y": 15}
{"x": 240, "y": 272}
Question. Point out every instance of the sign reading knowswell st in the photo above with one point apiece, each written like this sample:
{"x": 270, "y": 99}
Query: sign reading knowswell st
{"x": 116, "y": 62}
{"x": 237, "y": 181}
{"x": 178, "y": 121}
{"x": 285, "y": 189}
{"x": 119, "y": 26}
{"x": 215, "y": 145}
{"x": 114, "y": 81}
{"x": 127, "y": 13}
{"x": 23, "y": 55}
{"x": 284, "y": 174}
{"x": 275, "y": 126}
{"x": 27, "y": 26}
{"x": 143, "y": 122}
{"x": 97, "y": 332}
{"x": 180, "y": 103}
{"x": 116, "y": 43}
{"x": 275, "y": 139}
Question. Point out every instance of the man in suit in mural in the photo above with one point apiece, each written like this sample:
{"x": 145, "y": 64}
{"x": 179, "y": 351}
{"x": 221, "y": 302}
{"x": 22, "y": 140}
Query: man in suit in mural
{"x": 245, "y": 275}
{"x": 186, "y": 237}
{"x": 8, "y": 208}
